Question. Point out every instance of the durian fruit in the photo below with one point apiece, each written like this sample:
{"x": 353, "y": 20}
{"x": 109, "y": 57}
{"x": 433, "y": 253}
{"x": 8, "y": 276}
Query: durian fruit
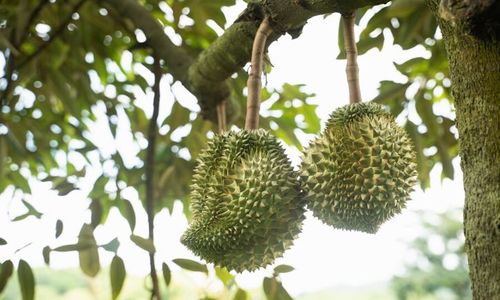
{"x": 246, "y": 201}
{"x": 360, "y": 171}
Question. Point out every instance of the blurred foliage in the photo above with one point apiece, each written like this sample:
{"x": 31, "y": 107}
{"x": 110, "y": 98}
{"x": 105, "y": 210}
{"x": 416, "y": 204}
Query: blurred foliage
{"x": 79, "y": 98}
{"x": 439, "y": 269}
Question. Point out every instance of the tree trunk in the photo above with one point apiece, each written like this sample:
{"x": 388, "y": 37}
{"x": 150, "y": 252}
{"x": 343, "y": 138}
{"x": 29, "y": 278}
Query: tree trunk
{"x": 475, "y": 73}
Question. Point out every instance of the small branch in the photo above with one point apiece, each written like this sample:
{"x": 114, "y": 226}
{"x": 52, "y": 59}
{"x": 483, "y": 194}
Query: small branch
{"x": 221, "y": 116}
{"x": 34, "y": 14}
{"x": 9, "y": 71}
{"x": 53, "y": 36}
{"x": 150, "y": 170}
{"x": 254, "y": 83}
{"x": 352, "y": 69}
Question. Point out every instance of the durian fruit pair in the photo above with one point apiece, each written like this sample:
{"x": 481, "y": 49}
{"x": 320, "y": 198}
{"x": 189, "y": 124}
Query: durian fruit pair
{"x": 248, "y": 204}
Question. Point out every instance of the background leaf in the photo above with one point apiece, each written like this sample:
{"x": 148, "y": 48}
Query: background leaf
{"x": 59, "y": 228}
{"x": 89, "y": 257}
{"x": 117, "y": 276}
{"x": 190, "y": 265}
{"x": 26, "y": 280}
{"x": 6, "y": 269}
{"x": 167, "y": 275}
{"x": 145, "y": 244}
{"x": 283, "y": 269}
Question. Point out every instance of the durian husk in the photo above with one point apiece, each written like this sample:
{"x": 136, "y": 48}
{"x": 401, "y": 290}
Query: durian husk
{"x": 246, "y": 202}
{"x": 360, "y": 171}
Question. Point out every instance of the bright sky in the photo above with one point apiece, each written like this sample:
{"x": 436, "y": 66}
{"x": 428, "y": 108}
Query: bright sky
{"x": 323, "y": 257}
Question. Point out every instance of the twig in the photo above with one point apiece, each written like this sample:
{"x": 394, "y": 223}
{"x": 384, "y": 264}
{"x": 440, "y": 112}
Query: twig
{"x": 34, "y": 14}
{"x": 221, "y": 116}
{"x": 150, "y": 170}
{"x": 352, "y": 69}
{"x": 254, "y": 83}
{"x": 9, "y": 71}
{"x": 53, "y": 36}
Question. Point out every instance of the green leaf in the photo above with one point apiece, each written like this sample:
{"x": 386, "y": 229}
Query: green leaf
{"x": 167, "y": 275}
{"x": 26, "y": 280}
{"x": 3, "y": 242}
{"x": 64, "y": 188}
{"x": 240, "y": 295}
{"x": 224, "y": 275}
{"x": 73, "y": 247}
{"x": 31, "y": 212}
{"x": 127, "y": 211}
{"x": 21, "y": 217}
{"x": 274, "y": 290}
{"x": 59, "y": 228}
{"x": 6, "y": 269}
{"x": 178, "y": 116}
{"x": 96, "y": 213}
{"x": 145, "y": 244}
{"x": 89, "y": 257}
{"x": 283, "y": 269}
{"x": 19, "y": 181}
{"x": 117, "y": 276}
{"x": 46, "y": 254}
{"x": 191, "y": 265}
{"x": 112, "y": 246}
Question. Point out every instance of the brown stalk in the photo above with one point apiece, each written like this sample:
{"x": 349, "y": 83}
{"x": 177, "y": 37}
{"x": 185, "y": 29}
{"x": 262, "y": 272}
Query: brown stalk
{"x": 254, "y": 82}
{"x": 221, "y": 116}
{"x": 352, "y": 69}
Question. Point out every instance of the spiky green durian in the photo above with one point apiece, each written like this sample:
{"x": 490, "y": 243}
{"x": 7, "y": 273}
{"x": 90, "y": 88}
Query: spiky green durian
{"x": 360, "y": 171}
{"x": 246, "y": 202}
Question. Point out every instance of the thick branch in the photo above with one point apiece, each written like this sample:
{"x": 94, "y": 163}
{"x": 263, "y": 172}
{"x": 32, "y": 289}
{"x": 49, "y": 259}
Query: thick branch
{"x": 150, "y": 171}
{"x": 206, "y": 77}
{"x": 227, "y": 55}
{"x": 254, "y": 83}
{"x": 352, "y": 69}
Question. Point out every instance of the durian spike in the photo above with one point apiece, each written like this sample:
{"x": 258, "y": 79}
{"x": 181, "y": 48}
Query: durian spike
{"x": 352, "y": 69}
{"x": 221, "y": 116}
{"x": 254, "y": 82}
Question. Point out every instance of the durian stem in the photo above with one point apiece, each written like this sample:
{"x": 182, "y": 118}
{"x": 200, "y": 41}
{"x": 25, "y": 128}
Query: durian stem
{"x": 352, "y": 69}
{"x": 149, "y": 173}
{"x": 254, "y": 83}
{"x": 221, "y": 116}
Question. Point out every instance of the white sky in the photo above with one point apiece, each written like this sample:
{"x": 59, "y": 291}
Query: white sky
{"x": 323, "y": 257}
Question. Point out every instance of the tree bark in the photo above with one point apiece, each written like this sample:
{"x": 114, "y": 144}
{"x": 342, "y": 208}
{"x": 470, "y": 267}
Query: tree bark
{"x": 475, "y": 72}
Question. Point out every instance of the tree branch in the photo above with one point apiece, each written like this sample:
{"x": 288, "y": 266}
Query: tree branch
{"x": 23, "y": 33}
{"x": 254, "y": 83}
{"x": 206, "y": 76}
{"x": 9, "y": 71}
{"x": 176, "y": 58}
{"x": 53, "y": 36}
{"x": 351, "y": 69}
{"x": 150, "y": 171}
